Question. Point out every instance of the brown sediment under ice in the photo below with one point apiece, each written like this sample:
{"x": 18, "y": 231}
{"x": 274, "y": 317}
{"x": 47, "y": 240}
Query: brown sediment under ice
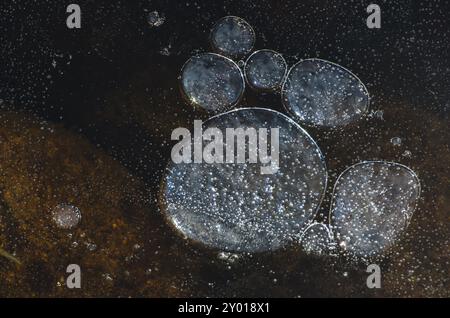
{"x": 43, "y": 166}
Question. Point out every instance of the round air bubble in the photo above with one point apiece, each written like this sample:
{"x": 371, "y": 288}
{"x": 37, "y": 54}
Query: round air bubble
{"x": 317, "y": 239}
{"x": 233, "y": 37}
{"x": 320, "y": 93}
{"x": 372, "y": 205}
{"x": 66, "y": 216}
{"x": 265, "y": 70}
{"x": 235, "y": 206}
{"x": 212, "y": 82}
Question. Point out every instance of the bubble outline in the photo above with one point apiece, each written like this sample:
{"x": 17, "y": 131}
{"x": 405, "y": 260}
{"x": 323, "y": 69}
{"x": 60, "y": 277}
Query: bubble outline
{"x": 407, "y": 222}
{"x": 329, "y": 232}
{"x": 217, "y": 23}
{"x": 272, "y": 89}
{"x": 198, "y": 106}
{"x": 162, "y": 203}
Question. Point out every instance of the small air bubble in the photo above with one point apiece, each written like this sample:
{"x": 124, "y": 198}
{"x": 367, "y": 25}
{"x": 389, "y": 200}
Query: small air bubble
{"x": 155, "y": 19}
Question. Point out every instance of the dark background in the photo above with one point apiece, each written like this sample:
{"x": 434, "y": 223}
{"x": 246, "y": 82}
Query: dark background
{"x": 115, "y": 81}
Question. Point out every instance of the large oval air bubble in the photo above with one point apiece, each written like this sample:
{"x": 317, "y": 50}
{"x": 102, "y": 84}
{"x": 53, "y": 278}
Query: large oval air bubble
{"x": 373, "y": 203}
{"x": 321, "y": 93}
{"x": 212, "y": 82}
{"x": 265, "y": 70}
{"x": 242, "y": 206}
{"x": 233, "y": 37}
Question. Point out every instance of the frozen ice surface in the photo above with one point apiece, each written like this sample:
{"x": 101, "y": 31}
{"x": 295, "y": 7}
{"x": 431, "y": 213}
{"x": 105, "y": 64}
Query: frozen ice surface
{"x": 320, "y": 93}
{"x": 233, "y": 37}
{"x": 317, "y": 239}
{"x": 66, "y": 216}
{"x": 212, "y": 82}
{"x": 265, "y": 70}
{"x": 232, "y": 206}
{"x": 373, "y": 203}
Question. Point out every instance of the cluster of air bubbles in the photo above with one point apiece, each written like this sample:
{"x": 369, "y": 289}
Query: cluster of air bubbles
{"x": 229, "y": 258}
{"x": 396, "y": 141}
{"x": 315, "y": 92}
{"x": 214, "y": 82}
{"x": 91, "y": 246}
{"x": 235, "y": 207}
{"x": 407, "y": 154}
{"x": 378, "y": 114}
{"x": 155, "y": 19}
{"x": 66, "y": 216}
{"x": 373, "y": 202}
